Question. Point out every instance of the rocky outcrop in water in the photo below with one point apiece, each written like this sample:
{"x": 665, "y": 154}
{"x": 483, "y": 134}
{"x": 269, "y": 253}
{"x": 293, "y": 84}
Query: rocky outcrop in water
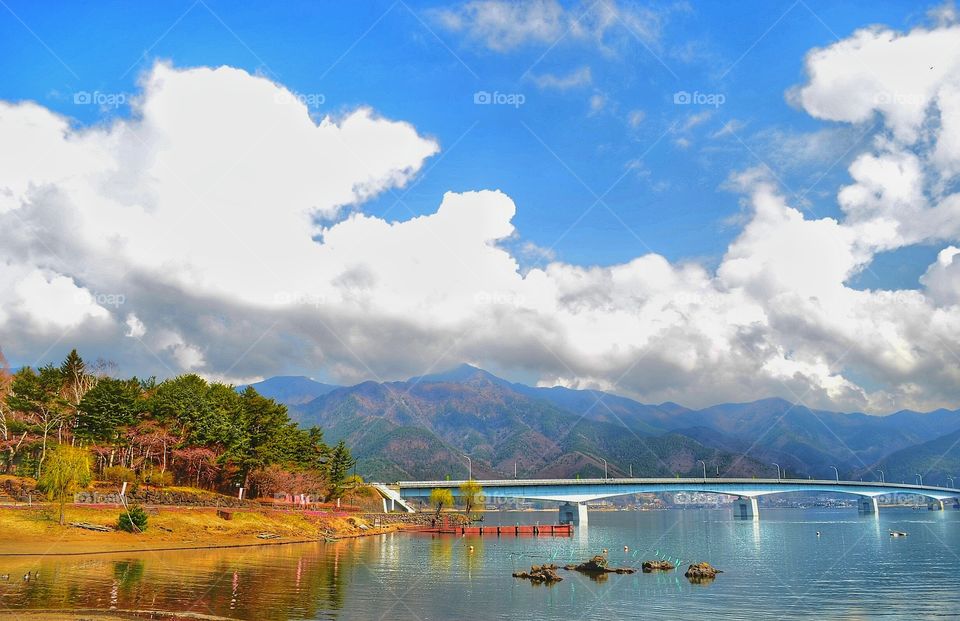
{"x": 598, "y": 565}
{"x": 540, "y": 574}
{"x": 701, "y": 572}
{"x": 651, "y": 566}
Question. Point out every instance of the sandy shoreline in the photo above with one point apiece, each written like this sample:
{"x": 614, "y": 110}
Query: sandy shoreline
{"x": 26, "y": 533}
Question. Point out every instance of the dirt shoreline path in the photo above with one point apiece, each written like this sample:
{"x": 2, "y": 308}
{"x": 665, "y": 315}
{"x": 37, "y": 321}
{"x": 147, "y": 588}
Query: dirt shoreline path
{"x": 32, "y": 533}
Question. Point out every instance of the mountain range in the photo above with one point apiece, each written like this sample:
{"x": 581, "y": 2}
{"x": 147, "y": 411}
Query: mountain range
{"x": 426, "y": 427}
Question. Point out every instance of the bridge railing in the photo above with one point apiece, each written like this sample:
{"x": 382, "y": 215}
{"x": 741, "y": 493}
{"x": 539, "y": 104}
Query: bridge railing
{"x": 784, "y": 482}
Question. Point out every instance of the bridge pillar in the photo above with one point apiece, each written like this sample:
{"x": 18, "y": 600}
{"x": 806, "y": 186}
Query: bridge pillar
{"x": 868, "y": 505}
{"x": 935, "y": 505}
{"x": 746, "y": 508}
{"x": 573, "y": 513}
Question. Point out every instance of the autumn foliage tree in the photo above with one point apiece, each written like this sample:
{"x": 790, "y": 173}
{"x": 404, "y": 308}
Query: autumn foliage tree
{"x": 471, "y": 494}
{"x": 64, "y": 473}
{"x": 440, "y": 498}
{"x": 13, "y": 430}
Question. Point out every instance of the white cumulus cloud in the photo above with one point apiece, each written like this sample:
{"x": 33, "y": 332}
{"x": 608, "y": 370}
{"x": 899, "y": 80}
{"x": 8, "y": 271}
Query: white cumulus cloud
{"x": 228, "y": 220}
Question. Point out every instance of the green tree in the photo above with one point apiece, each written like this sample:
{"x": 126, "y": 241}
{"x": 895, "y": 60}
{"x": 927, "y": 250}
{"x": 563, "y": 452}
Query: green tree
{"x": 133, "y": 520}
{"x": 107, "y": 407}
{"x": 341, "y": 461}
{"x": 264, "y": 436}
{"x": 440, "y": 498}
{"x": 75, "y": 383}
{"x": 67, "y": 470}
{"x": 472, "y": 495}
{"x": 37, "y": 396}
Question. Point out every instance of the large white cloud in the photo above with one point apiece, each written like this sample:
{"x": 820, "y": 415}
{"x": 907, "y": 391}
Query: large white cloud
{"x": 208, "y": 233}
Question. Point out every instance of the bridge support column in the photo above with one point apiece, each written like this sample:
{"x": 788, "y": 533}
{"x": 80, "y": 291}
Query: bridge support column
{"x": 573, "y": 513}
{"x": 935, "y": 505}
{"x": 746, "y": 509}
{"x": 868, "y": 505}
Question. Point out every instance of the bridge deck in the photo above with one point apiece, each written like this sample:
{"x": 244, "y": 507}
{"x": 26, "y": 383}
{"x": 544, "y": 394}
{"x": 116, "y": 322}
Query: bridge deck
{"x": 583, "y": 490}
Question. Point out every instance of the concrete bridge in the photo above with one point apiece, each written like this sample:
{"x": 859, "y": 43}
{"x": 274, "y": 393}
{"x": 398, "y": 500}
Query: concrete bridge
{"x": 575, "y": 493}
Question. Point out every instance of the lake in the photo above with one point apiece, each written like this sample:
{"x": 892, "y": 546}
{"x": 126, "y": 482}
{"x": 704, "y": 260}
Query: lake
{"x": 776, "y": 567}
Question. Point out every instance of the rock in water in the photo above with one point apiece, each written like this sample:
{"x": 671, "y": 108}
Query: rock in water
{"x": 650, "y": 566}
{"x": 701, "y": 572}
{"x": 539, "y": 574}
{"x": 596, "y": 564}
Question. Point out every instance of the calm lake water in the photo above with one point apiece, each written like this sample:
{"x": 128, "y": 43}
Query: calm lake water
{"x": 774, "y": 568}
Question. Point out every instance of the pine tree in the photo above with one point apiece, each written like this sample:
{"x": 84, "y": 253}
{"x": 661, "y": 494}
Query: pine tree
{"x": 76, "y": 382}
{"x": 341, "y": 461}
{"x": 37, "y": 397}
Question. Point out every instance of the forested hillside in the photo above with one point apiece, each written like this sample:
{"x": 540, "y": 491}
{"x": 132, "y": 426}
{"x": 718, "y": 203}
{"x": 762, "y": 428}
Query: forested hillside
{"x": 182, "y": 430}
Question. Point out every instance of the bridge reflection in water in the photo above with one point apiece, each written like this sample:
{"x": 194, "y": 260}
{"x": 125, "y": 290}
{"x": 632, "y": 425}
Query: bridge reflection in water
{"x": 575, "y": 493}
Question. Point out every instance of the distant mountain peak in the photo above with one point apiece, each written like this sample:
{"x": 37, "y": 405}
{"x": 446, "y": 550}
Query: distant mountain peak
{"x": 291, "y": 390}
{"x": 461, "y": 373}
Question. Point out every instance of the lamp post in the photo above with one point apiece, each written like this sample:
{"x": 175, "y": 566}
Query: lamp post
{"x": 631, "y": 471}
{"x": 837, "y": 472}
{"x": 469, "y": 468}
{"x": 778, "y": 471}
{"x": 704, "y": 464}
{"x": 920, "y": 476}
{"x": 949, "y": 478}
{"x": 881, "y": 476}
{"x": 604, "y": 469}
{"x": 514, "y": 469}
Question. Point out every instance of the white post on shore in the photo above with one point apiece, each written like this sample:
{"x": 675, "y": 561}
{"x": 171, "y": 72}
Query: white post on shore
{"x": 123, "y": 490}
{"x": 240, "y": 495}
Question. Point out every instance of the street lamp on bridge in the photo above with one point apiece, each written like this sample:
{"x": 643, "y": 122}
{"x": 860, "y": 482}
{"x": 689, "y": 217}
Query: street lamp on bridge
{"x": 704, "y": 464}
{"x": 881, "y": 476}
{"x": 836, "y": 471}
{"x": 778, "y": 471}
{"x": 949, "y": 478}
{"x": 920, "y": 476}
{"x": 604, "y": 468}
{"x": 469, "y": 468}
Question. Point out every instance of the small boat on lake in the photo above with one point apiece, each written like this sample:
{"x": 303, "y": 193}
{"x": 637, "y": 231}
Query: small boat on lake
{"x": 897, "y": 533}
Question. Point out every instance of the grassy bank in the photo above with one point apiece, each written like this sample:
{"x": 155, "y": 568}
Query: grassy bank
{"x": 34, "y": 530}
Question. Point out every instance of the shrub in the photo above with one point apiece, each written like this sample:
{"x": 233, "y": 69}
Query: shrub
{"x": 158, "y": 478}
{"x": 119, "y": 474}
{"x": 133, "y": 520}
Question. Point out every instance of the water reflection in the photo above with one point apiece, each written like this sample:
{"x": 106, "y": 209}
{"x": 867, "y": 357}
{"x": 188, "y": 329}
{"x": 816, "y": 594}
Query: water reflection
{"x": 280, "y": 582}
{"x": 772, "y": 568}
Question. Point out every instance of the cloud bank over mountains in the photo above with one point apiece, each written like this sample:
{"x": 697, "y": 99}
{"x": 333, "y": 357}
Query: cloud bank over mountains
{"x": 220, "y": 230}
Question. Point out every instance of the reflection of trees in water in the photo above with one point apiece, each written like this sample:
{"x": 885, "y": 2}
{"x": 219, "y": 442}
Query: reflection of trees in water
{"x": 128, "y": 573}
{"x": 472, "y": 559}
{"x": 441, "y": 551}
{"x": 276, "y": 582}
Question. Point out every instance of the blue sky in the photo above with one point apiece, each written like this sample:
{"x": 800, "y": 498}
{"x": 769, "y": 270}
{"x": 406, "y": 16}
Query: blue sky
{"x": 551, "y": 154}
{"x": 676, "y": 201}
